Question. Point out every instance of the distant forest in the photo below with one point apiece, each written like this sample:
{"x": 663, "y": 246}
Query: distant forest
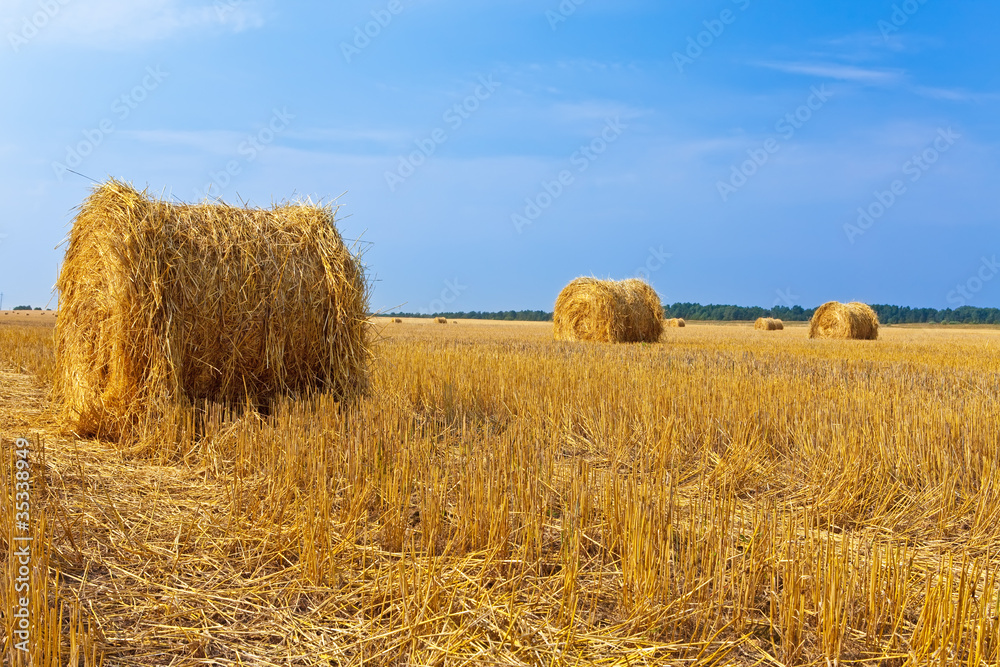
{"x": 696, "y": 311}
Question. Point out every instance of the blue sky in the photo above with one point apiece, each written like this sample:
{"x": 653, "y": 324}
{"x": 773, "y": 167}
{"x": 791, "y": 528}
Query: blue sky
{"x": 488, "y": 152}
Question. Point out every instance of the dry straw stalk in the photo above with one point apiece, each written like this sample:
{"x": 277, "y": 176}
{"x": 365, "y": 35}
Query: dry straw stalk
{"x": 164, "y": 302}
{"x": 768, "y": 324}
{"x": 853, "y": 320}
{"x": 625, "y": 311}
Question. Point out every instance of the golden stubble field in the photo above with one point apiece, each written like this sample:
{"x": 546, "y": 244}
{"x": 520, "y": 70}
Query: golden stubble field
{"x": 726, "y": 496}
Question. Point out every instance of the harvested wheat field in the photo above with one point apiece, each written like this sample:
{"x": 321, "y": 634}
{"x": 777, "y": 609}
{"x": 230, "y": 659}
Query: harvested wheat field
{"x": 501, "y": 498}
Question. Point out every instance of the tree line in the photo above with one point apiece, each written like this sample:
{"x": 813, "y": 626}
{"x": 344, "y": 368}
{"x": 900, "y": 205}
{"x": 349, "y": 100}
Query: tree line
{"x": 509, "y": 315}
{"x": 887, "y": 314}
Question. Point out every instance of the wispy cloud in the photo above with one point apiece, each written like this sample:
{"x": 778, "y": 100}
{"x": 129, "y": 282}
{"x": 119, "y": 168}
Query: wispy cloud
{"x": 868, "y": 75}
{"x": 375, "y": 135}
{"x": 954, "y": 94}
{"x": 114, "y": 24}
{"x": 207, "y": 141}
{"x": 594, "y": 110}
{"x": 872, "y": 44}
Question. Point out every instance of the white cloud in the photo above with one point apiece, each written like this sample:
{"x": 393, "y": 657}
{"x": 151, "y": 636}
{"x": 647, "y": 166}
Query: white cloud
{"x": 862, "y": 46}
{"x": 224, "y": 142}
{"x": 954, "y": 94}
{"x": 593, "y": 110}
{"x": 384, "y": 136}
{"x": 115, "y": 24}
{"x": 206, "y": 141}
{"x": 836, "y": 71}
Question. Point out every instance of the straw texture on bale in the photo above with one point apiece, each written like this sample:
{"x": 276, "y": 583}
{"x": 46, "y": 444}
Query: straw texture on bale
{"x": 441, "y": 320}
{"x": 625, "y": 311}
{"x": 163, "y": 302}
{"x": 675, "y": 322}
{"x": 853, "y": 320}
{"x": 769, "y": 324}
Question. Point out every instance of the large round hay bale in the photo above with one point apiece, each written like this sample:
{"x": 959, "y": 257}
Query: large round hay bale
{"x": 441, "y": 320}
{"x": 853, "y": 320}
{"x": 768, "y": 324}
{"x": 162, "y": 302}
{"x": 675, "y": 322}
{"x": 626, "y": 311}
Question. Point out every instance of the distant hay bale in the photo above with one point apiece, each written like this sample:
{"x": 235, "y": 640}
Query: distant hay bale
{"x": 853, "y": 320}
{"x": 163, "y": 302}
{"x": 768, "y": 324}
{"x": 626, "y": 311}
{"x": 441, "y": 320}
{"x": 675, "y": 322}
{"x": 397, "y": 320}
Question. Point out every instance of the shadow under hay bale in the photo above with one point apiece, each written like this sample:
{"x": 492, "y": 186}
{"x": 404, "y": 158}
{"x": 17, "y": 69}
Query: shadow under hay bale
{"x": 853, "y": 320}
{"x": 768, "y": 324}
{"x": 675, "y": 323}
{"x": 625, "y": 311}
{"x": 163, "y": 303}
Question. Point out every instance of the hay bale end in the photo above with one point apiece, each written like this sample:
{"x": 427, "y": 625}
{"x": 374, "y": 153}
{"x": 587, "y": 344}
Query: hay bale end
{"x": 625, "y": 311}
{"x": 845, "y": 321}
{"x": 769, "y": 324}
{"x": 163, "y": 302}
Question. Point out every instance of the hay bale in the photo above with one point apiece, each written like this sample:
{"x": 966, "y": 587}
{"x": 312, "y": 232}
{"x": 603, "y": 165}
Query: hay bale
{"x": 162, "y": 303}
{"x": 441, "y": 320}
{"x": 675, "y": 322}
{"x": 769, "y": 324}
{"x": 397, "y": 320}
{"x": 853, "y": 320}
{"x": 626, "y": 311}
